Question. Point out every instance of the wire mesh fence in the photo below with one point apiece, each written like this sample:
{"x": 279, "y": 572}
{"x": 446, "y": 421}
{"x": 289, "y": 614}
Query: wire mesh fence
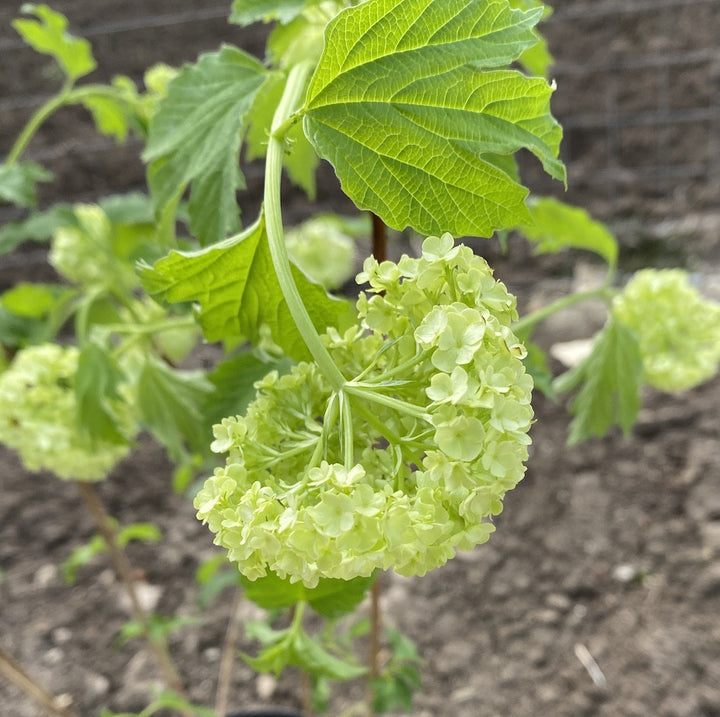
{"x": 639, "y": 98}
{"x": 638, "y": 93}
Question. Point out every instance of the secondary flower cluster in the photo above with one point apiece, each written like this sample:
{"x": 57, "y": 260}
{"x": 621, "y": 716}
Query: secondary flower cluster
{"x": 678, "y": 331}
{"x": 38, "y": 416}
{"x": 409, "y": 460}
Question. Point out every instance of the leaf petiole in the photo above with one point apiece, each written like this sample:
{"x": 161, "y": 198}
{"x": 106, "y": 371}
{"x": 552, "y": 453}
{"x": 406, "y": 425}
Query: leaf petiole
{"x": 274, "y": 226}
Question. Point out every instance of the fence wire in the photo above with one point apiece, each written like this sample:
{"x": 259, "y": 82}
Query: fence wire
{"x": 610, "y": 143}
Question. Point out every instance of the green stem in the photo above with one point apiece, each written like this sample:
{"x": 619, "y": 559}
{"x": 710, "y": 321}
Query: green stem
{"x": 347, "y": 431}
{"x": 67, "y": 96}
{"x": 28, "y": 132}
{"x": 297, "y": 618}
{"x": 368, "y": 394}
{"x": 274, "y": 225}
{"x": 528, "y": 322}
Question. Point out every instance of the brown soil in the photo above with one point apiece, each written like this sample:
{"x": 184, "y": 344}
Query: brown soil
{"x": 608, "y": 551}
{"x": 611, "y": 548}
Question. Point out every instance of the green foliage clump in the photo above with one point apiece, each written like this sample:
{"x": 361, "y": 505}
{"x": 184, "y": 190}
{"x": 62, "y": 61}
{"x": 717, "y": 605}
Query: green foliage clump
{"x": 677, "y": 329}
{"x": 444, "y": 399}
{"x": 38, "y": 416}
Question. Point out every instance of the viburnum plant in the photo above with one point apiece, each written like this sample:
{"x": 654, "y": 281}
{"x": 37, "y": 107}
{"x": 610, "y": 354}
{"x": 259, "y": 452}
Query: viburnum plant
{"x": 346, "y": 440}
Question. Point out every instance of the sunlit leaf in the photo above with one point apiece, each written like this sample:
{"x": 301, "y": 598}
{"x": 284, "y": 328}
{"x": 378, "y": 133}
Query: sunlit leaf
{"x": 48, "y": 34}
{"x": 408, "y": 99}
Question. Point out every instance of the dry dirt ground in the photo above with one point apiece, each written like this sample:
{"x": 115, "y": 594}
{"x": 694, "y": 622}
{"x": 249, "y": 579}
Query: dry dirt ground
{"x": 606, "y": 552}
{"x": 599, "y": 594}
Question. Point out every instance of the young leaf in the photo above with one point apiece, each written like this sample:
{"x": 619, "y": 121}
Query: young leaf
{"x": 35, "y": 301}
{"x": 17, "y": 182}
{"x": 39, "y": 227}
{"x": 195, "y": 137}
{"x": 609, "y": 380}
{"x": 245, "y": 12}
{"x": 96, "y": 381}
{"x": 114, "y": 108}
{"x": 80, "y": 557}
{"x": 170, "y": 405}
{"x": 212, "y": 577}
{"x": 405, "y": 103}
{"x": 309, "y": 655}
{"x": 160, "y": 627}
{"x": 142, "y": 532}
{"x": 48, "y": 34}
{"x": 238, "y": 291}
{"x": 556, "y": 226}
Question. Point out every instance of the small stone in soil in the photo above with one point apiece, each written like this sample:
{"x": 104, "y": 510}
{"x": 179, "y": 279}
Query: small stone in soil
{"x": 265, "y": 686}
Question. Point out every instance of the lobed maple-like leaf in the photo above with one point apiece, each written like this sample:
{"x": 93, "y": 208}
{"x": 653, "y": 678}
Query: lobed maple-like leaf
{"x": 195, "y": 137}
{"x": 412, "y": 103}
{"x": 238, "y": 291}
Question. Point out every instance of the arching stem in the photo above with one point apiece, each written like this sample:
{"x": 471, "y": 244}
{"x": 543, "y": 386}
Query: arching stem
{"x": 292, "y": 94}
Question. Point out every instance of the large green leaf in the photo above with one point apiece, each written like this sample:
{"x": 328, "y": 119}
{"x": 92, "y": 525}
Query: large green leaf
{"x": 411, "y": 95}
{"x": 536, "y": 59}
{"x": 238, "y": 291}
{"x": 609, "y": 381}
{"x": 48, "y": 34}
{"x": 556, "y": 226}
{"x": 195, "y": 136}
{"x": 233, "y": 382}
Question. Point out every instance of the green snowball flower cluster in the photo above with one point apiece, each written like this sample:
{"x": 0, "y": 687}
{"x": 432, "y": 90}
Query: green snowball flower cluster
{"x": 84, "y": 253}
{"x": 322, "y": 250}
{"x": 677, "y": 329}
{"x": 38, "y": 416}
{"x": 408, "y": 461}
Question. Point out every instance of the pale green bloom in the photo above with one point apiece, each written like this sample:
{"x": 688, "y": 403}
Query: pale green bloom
{"x": 678, "y": 331}
{"x": 439, "y": 432}
{"x": 38, "y": 416}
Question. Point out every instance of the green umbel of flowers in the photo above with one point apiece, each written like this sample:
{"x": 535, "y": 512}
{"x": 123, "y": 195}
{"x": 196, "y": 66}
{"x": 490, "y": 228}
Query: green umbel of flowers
{"x": 405, "y": 464}
{"x": 321, "y": 249}
{"x": 38, "y": 416}
{"x": 677, "y": 329}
